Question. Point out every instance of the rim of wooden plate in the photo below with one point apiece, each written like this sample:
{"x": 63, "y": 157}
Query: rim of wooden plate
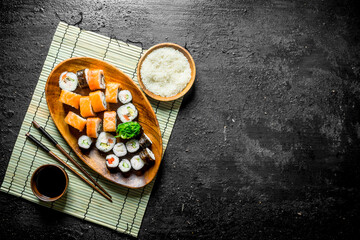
{"x": 192, "y": 67}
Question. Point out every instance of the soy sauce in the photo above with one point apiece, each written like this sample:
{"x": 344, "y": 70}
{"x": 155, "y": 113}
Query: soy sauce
{"x": 50, "y": 181}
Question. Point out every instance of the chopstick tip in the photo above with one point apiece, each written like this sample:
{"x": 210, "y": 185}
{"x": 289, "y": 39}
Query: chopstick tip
{"x": 35, "y": 124}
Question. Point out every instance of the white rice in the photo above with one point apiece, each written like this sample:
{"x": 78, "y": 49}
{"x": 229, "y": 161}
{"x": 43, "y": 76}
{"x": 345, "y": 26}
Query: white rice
{"x": 165, "y": 72}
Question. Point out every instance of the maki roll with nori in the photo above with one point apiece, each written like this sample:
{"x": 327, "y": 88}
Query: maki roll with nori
{"x": 125, "y": 96}
{"x": 127, "y": 112}
{"x": 145, "y": 141}
{"x": 84, "y": 142}
{"x": 132, "y": 145}
{"x": 105, "y": 142}
{"x": 124, "y": 166}
{"x": 120, "y": 150}
{"x": 82, "y": 76}
{"x": 68, "y": 81}
{"x": 112, "y": 162}
{"x": 147, "y": 155}
{"x": 137, "y": 163}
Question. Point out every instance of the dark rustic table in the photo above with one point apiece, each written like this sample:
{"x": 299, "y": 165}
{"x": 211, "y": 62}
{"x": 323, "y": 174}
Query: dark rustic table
{"x": 267, "y": 143}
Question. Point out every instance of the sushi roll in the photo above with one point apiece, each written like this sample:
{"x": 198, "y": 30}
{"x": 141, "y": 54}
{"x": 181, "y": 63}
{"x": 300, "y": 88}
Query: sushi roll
{"x": 147, "y": 155}
{"x": 93, "y": 127}
{"x": 82, "y": 76}
{"x": 75, "y": 121}
{"x": 68, "y": 81}
{"x": 84, "y": 142}
{"x": 96, "y": 79}
{"x": 124, "y": 165}
{"x": 109, "y": 121}
{"x": 112, "y": 162}
{"x": 120, "y": 150}
{"x": 125, "y": 96}
{"x": 105, "y": 142}
{"x": 70, "y": 98}
{"x": 137, "y": 163}
{"x": 86, "y": 108}
{"x": 111, "y": 92}
{"x": 98, "y": 101}
{"x": 127, "y": 112}
{"x": 132, "y": 145}
{"x": 145, "y": 141}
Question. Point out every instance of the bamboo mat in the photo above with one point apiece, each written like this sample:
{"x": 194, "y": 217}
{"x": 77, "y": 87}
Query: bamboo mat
{"x": 126, "y": 212}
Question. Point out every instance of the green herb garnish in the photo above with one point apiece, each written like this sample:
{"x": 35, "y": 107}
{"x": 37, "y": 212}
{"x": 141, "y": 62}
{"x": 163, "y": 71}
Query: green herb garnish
{"x": 128, "y": 130}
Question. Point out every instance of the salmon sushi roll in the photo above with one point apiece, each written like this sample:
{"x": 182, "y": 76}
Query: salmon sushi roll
{"x": 96, "y": 79}
{"x": 111, "y": 92}
{"x": 68, "y": 81}
{"x": 109, "y": 121}
{"x": 86, "y": 108}
{"x": 82, "y": 76}
{"x": 75, "y": 121}
{"x": 93, "y": 127}
{"x": 70, "y": 98}
{"x": 98, "y": 101}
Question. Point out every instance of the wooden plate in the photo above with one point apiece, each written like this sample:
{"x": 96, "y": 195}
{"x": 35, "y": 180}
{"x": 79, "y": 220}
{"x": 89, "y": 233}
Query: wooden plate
{"x": 92, "y": 157}
{"x": 192, "y": 67}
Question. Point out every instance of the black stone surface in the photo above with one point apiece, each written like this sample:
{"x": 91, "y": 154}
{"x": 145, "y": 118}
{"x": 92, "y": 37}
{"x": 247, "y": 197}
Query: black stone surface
{"x": 267, "y": 143}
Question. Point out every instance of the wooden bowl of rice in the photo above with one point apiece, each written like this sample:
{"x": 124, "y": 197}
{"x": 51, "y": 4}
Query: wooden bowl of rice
{"x": 163, "y": 72}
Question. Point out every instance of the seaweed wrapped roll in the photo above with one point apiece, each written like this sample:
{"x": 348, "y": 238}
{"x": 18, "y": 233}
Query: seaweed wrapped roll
{"x": 127, "y": 112}
{"x": 147, "y": 155}
{"x": 124, "y": 165}
{"x": 82, "y": 76}
{"x": 137, "y": 163}
{"x": 112, "y": 162}
{"x": 132, "y": 145}
{"x": 84, "y": 142}
{"x": 125, "y": 96}
{"x": 68, "y": 81}
{"x": 120, "y": 150}
{"x": 145, "y": 141}
{"x": 105, "y": 142}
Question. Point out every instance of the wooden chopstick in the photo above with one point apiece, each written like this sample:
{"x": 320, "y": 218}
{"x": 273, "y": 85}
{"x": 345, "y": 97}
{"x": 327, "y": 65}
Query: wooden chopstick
{"x": 57, "y": 145}
{"x": 42, "y": 146}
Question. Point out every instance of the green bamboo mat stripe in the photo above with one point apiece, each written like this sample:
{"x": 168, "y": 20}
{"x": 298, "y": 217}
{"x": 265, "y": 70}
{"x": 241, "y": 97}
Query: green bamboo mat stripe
{"x": 126, "y": 212}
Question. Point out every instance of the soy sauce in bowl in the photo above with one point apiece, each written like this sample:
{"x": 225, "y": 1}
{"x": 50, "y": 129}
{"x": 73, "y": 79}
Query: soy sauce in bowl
{"x": 49, "y": 182}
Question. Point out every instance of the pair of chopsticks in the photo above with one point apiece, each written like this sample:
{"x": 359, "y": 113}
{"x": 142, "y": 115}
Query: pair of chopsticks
{"x": 39, "y": 144}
